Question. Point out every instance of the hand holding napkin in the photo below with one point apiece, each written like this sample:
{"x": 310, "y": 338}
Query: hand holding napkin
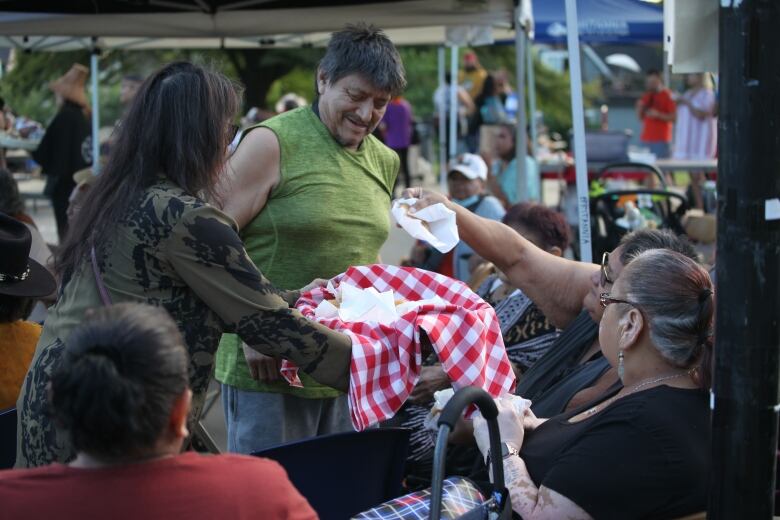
{"x": 434, "y": 224}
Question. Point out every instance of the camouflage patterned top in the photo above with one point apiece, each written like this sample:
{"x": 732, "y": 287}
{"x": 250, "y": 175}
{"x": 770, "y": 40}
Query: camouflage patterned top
{"x": 180, "y": 253}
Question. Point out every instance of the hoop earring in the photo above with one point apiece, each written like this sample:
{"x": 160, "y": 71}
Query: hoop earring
{"x": 621, "y": 369}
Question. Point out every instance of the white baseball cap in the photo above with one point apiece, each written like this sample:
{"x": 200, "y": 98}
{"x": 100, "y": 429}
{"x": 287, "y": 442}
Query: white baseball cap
{"x": 470, "y": 165}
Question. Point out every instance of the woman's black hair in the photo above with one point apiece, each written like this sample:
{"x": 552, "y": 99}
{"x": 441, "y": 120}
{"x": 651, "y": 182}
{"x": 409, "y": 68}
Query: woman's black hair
{"x": 13, "y": 308}
{"x": 488, "y": 90}
{"x": 122, "y": 370}
{"x": 178, "y": 127}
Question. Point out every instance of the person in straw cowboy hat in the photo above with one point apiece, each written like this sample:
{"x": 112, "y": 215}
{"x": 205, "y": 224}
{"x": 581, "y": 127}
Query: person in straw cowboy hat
{"x": 22, "y": 281}
{"x": 66, "y": 145}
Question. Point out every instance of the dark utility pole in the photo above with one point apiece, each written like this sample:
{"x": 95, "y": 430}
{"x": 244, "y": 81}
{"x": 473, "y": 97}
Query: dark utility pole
{"x": 745, "y": 423}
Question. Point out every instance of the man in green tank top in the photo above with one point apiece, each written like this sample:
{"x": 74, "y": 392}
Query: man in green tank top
{"x": 310, "y": 190}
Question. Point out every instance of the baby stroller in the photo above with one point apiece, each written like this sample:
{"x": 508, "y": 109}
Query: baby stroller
{"x": 615, "y": 213}
{"x": 456, "y": 497}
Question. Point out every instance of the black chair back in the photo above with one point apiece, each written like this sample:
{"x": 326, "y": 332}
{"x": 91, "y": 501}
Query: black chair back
{"x": 7, "y": 438}
{"x": 345, "y": 473}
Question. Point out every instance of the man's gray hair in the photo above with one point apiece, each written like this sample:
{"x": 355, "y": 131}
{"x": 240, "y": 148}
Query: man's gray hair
{"x": 676, "y": 296}
{"x": 366, "y": 50}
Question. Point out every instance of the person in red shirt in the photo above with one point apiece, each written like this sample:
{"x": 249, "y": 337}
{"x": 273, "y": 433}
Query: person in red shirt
{"x": 122, "y": 393}
{"x": 657, "y": 111}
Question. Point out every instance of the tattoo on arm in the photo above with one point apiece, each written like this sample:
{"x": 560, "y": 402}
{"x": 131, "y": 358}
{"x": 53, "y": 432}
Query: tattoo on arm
{"x": 533, "y": 503}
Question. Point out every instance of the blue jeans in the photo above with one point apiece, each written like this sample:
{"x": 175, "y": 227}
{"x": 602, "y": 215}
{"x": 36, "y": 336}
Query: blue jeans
{"x": 660, "y": 149}
{"x": 259, "y": 420}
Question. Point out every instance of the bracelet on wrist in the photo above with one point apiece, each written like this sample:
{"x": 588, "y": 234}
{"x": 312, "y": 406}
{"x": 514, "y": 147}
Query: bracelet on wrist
{"x": 507, "y": 450}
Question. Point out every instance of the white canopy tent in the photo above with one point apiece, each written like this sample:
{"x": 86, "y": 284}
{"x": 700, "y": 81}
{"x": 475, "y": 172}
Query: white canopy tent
{"x": 246, "y": 24}
{"x": 249, "y": 19}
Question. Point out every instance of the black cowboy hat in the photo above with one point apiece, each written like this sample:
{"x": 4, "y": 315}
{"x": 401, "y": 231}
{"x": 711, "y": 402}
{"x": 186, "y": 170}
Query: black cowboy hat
{"x": 20, "y": 275}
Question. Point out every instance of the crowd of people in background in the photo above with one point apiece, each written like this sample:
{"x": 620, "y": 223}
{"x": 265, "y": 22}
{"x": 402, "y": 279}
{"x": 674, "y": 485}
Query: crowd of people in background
{"x": 181, "y": 257}
{"x": 680, "y": 126}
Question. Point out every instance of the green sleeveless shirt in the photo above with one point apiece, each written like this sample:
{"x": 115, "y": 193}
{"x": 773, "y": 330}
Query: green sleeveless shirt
{"x": 330, "y": 211}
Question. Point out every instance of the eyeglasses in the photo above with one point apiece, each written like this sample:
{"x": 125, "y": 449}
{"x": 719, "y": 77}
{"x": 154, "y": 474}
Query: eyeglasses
{"x": 605, "y": 299}
{"x": 605, "y": 279}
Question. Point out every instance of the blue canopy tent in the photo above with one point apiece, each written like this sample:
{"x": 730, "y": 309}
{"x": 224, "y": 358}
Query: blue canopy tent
{"x": 600, "y": 21}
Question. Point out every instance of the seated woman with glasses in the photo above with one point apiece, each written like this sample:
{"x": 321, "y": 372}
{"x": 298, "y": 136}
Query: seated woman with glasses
{"x": 122, "y": 393}
{"x": 643, "y": 450}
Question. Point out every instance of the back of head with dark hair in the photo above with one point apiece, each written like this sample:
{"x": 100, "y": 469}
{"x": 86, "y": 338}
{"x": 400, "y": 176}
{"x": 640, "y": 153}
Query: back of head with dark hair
{"x": 642, "y": 240}
{"x": 653, "y": 72}
{"x": 13, "y": 308}
{"x": 11, "y": 202}
{"x": 366, "y": 50}
{"x": 488, "y": 90}
{"x": 121, "y": 373}
{"x": 178, "y": 126}
{"x": 549, "y": 225}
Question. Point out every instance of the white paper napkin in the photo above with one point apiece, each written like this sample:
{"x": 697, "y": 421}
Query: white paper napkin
{"x": 434, "y": 224}
{"x": 367, "y": 305}
{"x": 442, "y": 397}
{"x": 353, "y": 304}
{"x": 359, "y": 305}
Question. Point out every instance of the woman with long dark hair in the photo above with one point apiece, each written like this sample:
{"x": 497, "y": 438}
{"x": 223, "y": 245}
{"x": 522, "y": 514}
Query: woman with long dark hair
{"x": 151, "y": 231}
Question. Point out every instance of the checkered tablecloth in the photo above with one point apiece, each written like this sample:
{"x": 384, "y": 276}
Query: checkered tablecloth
{"x": 386, "y": 359}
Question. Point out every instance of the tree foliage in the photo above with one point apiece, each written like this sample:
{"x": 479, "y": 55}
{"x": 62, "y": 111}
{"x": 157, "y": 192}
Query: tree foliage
{"x": 266, "y": 76}
{"x": 552, "y": 88}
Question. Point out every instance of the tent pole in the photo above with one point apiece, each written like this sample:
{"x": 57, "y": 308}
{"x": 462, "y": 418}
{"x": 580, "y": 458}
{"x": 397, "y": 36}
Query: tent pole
{"x": 531, "y": 88}
{"x": 454, "y": 116}
{"x": 93, "y": 62}
{"x": 521, "y": 139}
{"x": 442, "y": 122}
{"x": 747, "y": 329}
{"x": 666, "y": 69}
{"x": 578, "y": 122}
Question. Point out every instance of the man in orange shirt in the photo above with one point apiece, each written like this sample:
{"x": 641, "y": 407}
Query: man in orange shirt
{"x": 657, "y": 111}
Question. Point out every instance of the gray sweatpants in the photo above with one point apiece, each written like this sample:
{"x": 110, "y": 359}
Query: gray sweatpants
{"x": 259, "y": 420}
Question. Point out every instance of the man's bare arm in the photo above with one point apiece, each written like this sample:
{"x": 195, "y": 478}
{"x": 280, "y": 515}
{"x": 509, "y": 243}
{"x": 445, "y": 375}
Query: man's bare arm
{"x": 253, "y": 171}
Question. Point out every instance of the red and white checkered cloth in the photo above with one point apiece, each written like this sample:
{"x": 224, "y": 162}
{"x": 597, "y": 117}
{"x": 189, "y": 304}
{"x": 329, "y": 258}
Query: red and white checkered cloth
{"x": 386, "y": 359}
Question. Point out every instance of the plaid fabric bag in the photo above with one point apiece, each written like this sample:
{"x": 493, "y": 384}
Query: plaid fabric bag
{"x": 386, "y": 359}
{"x": 455, "y": 497}
{"x": 460, "y": 497}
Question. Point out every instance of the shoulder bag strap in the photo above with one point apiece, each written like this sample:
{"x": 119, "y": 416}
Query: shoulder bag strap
{"x": 104, "y": 296}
